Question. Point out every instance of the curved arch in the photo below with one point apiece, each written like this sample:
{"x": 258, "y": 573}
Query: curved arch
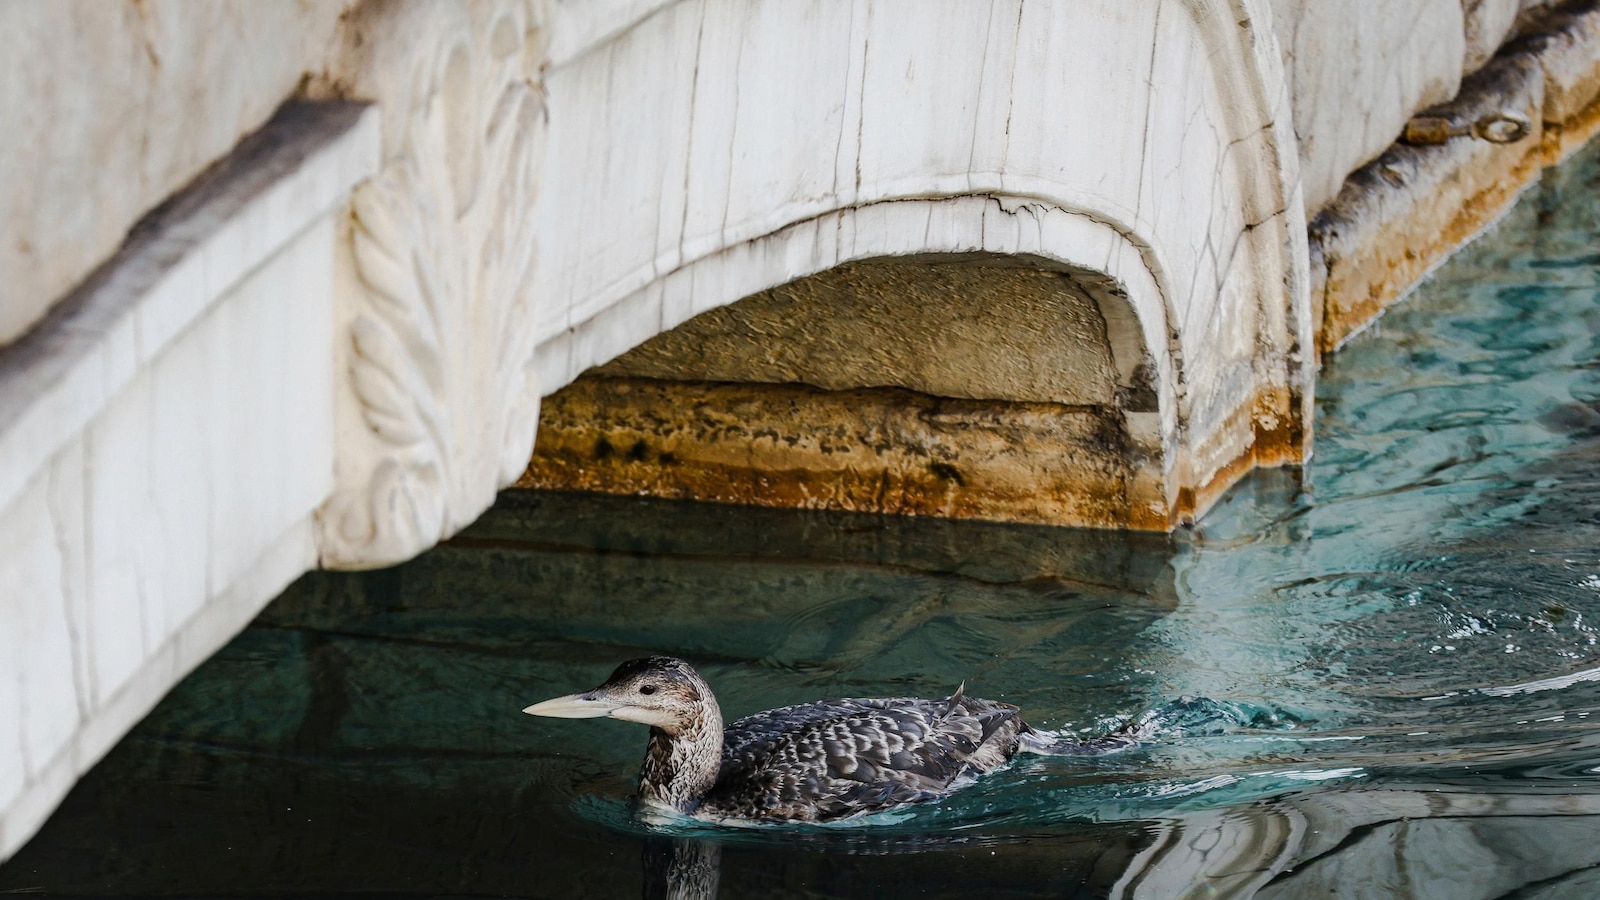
{"x": 953, "y": 226}
{"x": 790, "y": 139}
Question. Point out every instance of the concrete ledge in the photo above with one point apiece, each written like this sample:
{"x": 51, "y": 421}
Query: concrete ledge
{"x": 1567, "y": 46}
{"x": 1407, "y": 211}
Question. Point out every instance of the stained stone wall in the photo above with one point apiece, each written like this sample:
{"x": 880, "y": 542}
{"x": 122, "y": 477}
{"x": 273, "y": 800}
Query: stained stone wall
{"x": 960, "y": 386}
{"x": 981, "y": 329}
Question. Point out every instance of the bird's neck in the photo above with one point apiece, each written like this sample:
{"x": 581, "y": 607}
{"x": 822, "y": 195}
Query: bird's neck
{"x": 680, "y": 766}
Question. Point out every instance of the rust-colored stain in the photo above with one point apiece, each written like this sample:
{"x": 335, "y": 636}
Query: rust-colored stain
{"x": 1562, "y": 139}
{"x": 884, "y": 450}
{"x": 1269, "y": 433}
{"x": 1195, "y": 501}
{"x": 1393, "y": 256}
{"x": 1405, "y": 212}
{"x": 1278, "y": 431}
{"x": 880, "y": 450}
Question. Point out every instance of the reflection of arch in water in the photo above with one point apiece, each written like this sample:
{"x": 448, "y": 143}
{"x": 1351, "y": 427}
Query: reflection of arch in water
{"x": 382, "y": 706}
{"x": 773, "y": 597}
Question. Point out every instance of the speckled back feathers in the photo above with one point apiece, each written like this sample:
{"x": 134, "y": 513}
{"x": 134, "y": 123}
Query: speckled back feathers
{"x": 836, "y": 758}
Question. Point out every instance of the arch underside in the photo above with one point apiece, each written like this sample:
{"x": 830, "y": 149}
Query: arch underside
{"x": 963, "y": 385}
{"x": 1011, "y": 285}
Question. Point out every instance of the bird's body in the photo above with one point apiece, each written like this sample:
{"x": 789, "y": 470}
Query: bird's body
{"x": 812, "y": 762}
{"x": 838, "y": 758}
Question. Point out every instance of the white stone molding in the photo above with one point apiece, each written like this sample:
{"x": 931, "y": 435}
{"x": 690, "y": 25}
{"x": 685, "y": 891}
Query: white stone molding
{"x": 166, "y": 435}
{"x": 169, "y": 273}
{"x": 441, "y": 402}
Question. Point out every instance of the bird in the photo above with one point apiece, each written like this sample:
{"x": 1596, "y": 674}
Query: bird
{"x": 813, "y": 762}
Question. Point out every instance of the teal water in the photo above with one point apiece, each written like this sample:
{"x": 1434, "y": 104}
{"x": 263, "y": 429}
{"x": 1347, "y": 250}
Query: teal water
{"x": 1378, "y": 677}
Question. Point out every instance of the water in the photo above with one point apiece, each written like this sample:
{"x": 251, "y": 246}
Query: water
{"x": 1379, "y": 679}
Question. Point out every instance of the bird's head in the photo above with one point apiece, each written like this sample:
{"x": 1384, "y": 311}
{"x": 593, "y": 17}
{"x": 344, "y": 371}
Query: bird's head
{"x": 658, "y": 690}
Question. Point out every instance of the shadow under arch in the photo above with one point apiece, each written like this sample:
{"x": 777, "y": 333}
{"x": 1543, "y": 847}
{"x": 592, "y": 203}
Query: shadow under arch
{"x": 965, "y": 357}
{"x": 967, "y": 386}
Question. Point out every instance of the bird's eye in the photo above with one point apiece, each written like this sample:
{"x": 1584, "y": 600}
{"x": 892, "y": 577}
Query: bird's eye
{"x": 648, "y": 689}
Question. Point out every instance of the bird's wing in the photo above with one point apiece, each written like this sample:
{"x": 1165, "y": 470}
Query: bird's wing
{"x": 843, "y": 757}
{"x": 751, "y": 739}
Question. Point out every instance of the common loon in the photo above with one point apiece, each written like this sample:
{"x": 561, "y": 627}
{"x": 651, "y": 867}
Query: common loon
{"x": 813, "y": 762}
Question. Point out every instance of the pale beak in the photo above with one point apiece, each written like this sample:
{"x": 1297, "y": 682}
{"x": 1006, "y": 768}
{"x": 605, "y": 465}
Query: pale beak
{"x": 574, "y": 706}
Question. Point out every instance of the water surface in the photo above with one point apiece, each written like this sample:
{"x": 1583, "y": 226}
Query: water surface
{"x": 1378, "y": 677}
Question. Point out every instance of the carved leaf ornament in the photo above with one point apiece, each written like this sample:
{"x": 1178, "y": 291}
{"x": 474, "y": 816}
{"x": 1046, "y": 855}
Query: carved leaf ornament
{"x": 442, "y": 341}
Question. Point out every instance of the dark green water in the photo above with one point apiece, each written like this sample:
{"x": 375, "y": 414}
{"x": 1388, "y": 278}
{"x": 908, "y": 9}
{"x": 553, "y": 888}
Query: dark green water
{"x": 1392, "y": 666}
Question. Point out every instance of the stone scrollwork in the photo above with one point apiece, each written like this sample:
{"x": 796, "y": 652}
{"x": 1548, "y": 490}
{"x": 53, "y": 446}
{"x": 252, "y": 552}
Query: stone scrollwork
{"x": 441, "y": 339}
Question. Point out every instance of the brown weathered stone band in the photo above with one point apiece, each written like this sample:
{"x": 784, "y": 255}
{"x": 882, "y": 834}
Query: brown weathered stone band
{"x": 884, "y": 450}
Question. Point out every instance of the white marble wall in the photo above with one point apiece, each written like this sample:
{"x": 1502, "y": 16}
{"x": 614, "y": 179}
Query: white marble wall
{"x": 169, "y": 440}
{"x": 174, "y": 85}
{"x": 110, "y": 107}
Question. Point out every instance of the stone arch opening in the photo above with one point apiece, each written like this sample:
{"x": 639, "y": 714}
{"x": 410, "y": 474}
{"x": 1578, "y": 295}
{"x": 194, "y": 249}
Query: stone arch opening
{"x": 973, "y": 385}
{"x": 1175, "y": 175}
